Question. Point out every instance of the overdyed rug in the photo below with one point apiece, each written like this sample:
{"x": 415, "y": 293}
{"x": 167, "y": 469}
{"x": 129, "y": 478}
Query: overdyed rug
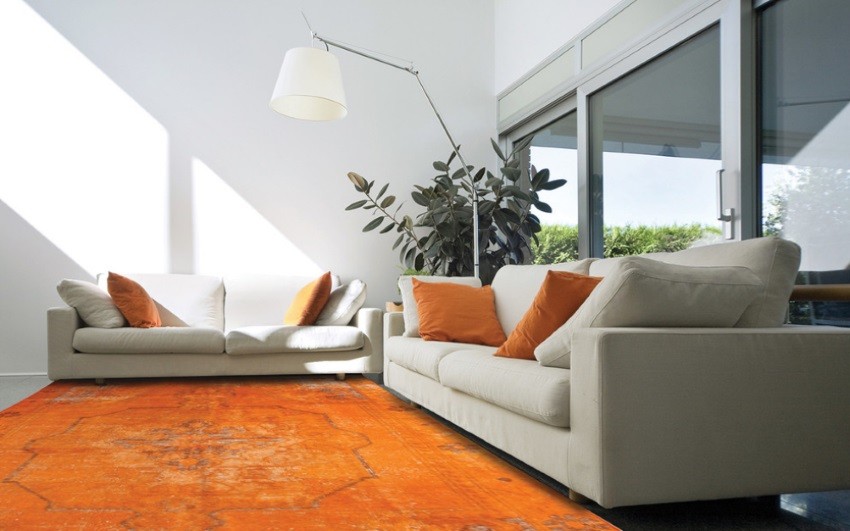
{"x": 261, "y": 453}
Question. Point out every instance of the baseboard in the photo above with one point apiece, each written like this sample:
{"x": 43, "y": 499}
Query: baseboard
{"x": 21, "y": 374}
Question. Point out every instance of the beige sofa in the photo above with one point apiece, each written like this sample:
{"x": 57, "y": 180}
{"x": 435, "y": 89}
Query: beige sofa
{"x": 224, "y": 326}
{"x": 652, "y": 415}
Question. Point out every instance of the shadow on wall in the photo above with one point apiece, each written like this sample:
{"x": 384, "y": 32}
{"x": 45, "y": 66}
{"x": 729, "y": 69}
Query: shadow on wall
{"x": 108, "y": 184}
{"x": 27, "y": 289}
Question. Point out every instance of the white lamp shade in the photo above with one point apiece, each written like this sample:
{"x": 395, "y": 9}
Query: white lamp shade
{"x": 309, "y": 86}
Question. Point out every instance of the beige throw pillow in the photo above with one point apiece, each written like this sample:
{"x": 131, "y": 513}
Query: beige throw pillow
{"x": 639, "y": 292}
{"x": 411, "y": 315}
{"x": 93, "y": 304}
{"x": 343, "y": 304}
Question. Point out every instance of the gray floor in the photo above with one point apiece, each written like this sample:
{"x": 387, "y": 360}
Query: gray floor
{"x": 13, "y": 389}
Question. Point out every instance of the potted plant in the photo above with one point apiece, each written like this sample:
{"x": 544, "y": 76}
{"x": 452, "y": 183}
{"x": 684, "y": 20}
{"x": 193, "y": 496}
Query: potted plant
{"x": 439, "y": 241}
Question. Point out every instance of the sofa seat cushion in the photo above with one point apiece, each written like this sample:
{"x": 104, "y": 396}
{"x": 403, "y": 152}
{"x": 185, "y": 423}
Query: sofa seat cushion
{"x": 282, "y": 338}
{"x": 163, "y": 340}
{"x": 522, "y": 386}
{"x": 423, "y": 357}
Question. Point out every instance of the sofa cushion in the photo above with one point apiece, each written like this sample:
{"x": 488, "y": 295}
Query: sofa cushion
{"x": 410, "y": 312}
{"x": 133, "y": 301}
{"x": 343, "y": 304}
{"x": 93, "y": 304}
{"x": 515, "y": 286}
{"x": 254, "y": 299}
{"x": 198, "y": 300}
{"x": 522, "y": 386}
{"x": 282, "y": 338}
{"x": 162, "y": 340}
{"x": 773, "y": 260}
{"x": 640, "y": 292}
{"x": 561, "y": 294}
{"x": 423, "y": 357}
{"x": 451, "y": 312}
{"x": 309, "y": 302}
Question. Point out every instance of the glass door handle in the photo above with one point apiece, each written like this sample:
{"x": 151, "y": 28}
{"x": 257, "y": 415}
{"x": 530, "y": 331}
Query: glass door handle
{"x": 722, "y": 214}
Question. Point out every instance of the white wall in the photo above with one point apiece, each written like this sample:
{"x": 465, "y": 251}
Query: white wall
{"x": 137, "y": 136}
{"x": 528, "y": 32}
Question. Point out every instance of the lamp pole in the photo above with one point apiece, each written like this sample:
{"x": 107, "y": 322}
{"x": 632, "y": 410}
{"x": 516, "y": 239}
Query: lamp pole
{"x": 410, "y": 69}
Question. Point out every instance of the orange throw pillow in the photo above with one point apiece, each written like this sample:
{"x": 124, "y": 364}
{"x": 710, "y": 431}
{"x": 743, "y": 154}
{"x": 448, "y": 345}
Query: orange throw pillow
{"x": 454, "y": 312}
{"x": 309, "y": 302}
{"x": 133, "y": 301}
{"x": 557, "y": 300}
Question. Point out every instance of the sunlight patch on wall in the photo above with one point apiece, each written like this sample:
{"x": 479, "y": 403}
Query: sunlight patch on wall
{"x": 232, "y": 237}
{"x": 81, "y": 161}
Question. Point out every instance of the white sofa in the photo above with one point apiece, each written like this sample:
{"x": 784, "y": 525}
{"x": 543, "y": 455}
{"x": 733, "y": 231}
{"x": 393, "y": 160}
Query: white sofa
{"x": 653, "y": 415}
{"x": 225, "y": 326}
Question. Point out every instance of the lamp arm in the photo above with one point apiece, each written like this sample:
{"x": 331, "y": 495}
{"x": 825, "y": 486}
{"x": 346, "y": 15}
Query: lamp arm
{"x": 412, "y": 70}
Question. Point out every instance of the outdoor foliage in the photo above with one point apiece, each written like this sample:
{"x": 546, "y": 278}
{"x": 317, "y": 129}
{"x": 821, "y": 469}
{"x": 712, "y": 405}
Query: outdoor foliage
{"x": 559, "y": 243}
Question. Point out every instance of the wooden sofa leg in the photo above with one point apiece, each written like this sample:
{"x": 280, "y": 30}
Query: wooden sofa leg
{"x": 579, "y": 497}
{"x": 100, "y": 381}
{"x": 340, "y": 376}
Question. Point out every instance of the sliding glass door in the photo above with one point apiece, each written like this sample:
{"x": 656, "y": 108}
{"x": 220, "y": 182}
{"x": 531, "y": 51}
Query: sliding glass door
{"x": 804, "y": 128}
{"x": 655, "y": 153}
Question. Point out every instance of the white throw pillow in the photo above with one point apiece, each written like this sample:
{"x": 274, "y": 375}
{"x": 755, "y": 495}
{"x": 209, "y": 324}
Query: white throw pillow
{"x": 343, "y": 304}
{"x": 639, "y": 292}
{"x": 93, "y": 304}
{"x": 411, "y": 314}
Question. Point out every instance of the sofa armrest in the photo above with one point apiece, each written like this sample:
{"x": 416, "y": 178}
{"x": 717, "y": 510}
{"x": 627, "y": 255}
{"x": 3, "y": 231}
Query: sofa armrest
{"x": 687, "y": 414}
{"x": 393, "y": 324}
{"x": 369, "y": 321}
{"x": 62, "y": 323}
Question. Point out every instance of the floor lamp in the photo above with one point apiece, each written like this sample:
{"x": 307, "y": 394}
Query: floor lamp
{"x": 309, "y": 87}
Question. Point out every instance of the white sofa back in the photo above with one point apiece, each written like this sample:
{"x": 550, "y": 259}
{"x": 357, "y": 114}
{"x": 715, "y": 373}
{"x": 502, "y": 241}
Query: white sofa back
{"x": 197, "y": 300}
{"x": 773, "y": 260}
{"x": 515, "y": 287}
{"x": 261, "y": 300}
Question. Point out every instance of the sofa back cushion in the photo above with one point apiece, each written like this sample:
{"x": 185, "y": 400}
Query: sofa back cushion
{"x": 640, "y": 292}
{"x": 261, "y": 299}
{"x": 773, "y": 260}
{"x": 515, "y": 287}
{"x": 197, "y": 300}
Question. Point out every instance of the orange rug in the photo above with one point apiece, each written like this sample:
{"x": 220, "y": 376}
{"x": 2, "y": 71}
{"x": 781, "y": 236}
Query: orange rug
{"x": 262, "y": 453}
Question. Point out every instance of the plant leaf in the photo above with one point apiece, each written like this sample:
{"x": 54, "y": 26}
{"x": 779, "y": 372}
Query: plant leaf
{"x": 383, "y": 189}
{"x": 522, "y": 144}
{"x": 552, "y": 185}
{"x": 388, "y": 201}
{"x": 498, "y": 150}
{"x": 513, "y": 174}
{"x": 440, "y": 165}
{"x": 373, "y": 224}
{"x": 355, "y": 205}
{"x": 453, "y": 154}
{"x": 388, "y": 228}
{"x": 543, "y": 207}
{"x": 358, "y": 181}
{"x": 398, "y": 242}
{"x": 419, "y": 199}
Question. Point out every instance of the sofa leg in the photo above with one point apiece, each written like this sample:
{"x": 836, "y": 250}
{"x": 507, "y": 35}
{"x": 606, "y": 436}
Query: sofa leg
{"x": 414, "y": 405}
{"x": 100, "y": 381}
{"x": 579, "y": 497}
{"x": 340, "y": 376}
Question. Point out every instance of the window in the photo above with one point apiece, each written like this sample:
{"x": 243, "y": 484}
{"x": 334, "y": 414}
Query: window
{"x": 554, "y": 147}
{"x": 804, "y": 127}
{"x": 655, "y": 153}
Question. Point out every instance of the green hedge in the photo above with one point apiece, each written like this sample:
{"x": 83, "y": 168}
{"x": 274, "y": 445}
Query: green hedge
{"x": 559, "y": 243}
